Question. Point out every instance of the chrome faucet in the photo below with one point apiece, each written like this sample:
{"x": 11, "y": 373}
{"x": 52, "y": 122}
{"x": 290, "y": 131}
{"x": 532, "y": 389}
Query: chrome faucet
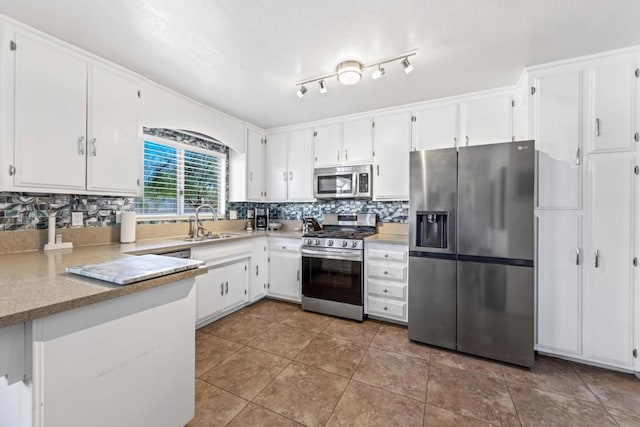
{"x": 199, "y": 226}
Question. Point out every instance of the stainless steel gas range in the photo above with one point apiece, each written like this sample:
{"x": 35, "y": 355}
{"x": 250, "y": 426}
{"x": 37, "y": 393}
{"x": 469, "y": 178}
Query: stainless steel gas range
{"x": 333, "y": 265}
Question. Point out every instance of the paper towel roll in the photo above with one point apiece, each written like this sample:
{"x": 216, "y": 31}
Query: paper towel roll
{"x": 128, "y": 227}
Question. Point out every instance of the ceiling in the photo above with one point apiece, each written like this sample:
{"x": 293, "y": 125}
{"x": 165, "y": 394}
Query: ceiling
{"x": 244, "y": 56}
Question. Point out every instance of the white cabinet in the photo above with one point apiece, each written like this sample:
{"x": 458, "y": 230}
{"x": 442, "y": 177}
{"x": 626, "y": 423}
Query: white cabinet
{"x": 435, "y": 127}
{"x": 613, "y": 122}
{"x": 113, "y": 132}
{"x": 276, "y": 167}
{"x": 559, "y": 282}
{"x": 556, "y": 122}
{"x": 609, "y": 293}
{"x": 346, "y": 143}
{"x": 225, "y": 287}
{"x": 356, "y": 141}
{"x": 259, "y": 269}
{"x": 486, "y": 120}
{"x": 327, "y": 145}
{"x": 391, "y": 137}
{"x": 300, "y": 165}
{"x": 62, "y": 92}
{"x": 285, "y": 260}
{"x": 255, "y": 165}
{"x": 386, "y": 267}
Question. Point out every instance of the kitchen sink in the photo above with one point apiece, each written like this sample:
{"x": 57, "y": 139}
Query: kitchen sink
{"x": 214, "y": 236}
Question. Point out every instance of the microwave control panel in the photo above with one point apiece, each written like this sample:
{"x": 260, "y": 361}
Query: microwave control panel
{"x": 363, "y": 182}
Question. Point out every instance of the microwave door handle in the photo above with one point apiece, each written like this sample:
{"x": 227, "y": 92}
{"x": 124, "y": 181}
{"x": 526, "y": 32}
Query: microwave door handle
{"x": 356, "y": 179}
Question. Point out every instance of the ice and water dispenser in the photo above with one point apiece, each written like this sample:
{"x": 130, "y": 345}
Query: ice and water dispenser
{"x": 431, "y": 229}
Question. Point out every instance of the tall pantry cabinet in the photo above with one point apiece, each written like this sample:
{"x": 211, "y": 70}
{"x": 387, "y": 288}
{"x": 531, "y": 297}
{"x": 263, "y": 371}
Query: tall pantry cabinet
{"x": 585, "y": 120}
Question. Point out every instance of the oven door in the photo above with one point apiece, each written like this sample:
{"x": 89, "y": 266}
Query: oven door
{"x": 333, "y": 275}
{"x": 335, "y": 185}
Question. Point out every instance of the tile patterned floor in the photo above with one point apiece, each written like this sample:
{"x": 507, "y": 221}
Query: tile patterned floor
{"x": 272, "y": 364}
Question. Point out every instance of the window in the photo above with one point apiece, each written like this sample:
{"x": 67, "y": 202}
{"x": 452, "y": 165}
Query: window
{"x": 179, "y": 177}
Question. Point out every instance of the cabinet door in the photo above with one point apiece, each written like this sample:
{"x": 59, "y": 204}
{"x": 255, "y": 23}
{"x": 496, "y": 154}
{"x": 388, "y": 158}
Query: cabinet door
{"x": 435, "y": 127}
{"x": 114, "y": 148}
{"x": 357, "y": 146}
{"x": 486, "y": 120}
{"x": 609, "y": 297}
{"x": 300, "y": 162}
{"x": 236, "y": 284}
{"x": 255, "y": 165}
{"x": 259, "y": 274}
{"x": 327, "y": 145}
{"x": 284, "y": 273}
{"x": 276, "y": 167}
{"x": 50, "y": 116}
{"x": 614, "y": 95}
{"x": 560, "y": 259}
{"x": 391, "y": 140}
{"x": 209, "y": 293}
{"x": 557, "y": 122}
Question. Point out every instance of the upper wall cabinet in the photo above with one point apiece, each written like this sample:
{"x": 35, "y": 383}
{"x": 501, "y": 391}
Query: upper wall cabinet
{"x": 300, "y": 165}
{"x": 276, "y": 171}
{"x": 486, "y": 120}
{"x": 556, "y": 98}
{"x": 613, "y": 109}
{"x": 76, "y": 122}
{"x": 346, "y": 143}
{"x": 435, "y": 127}
{"x": 392, "y": 138}
{"x": 255, "y": 165}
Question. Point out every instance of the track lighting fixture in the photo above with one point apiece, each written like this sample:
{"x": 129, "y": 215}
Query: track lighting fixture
{"x": 378, "y": 72}
{"x": 350, "y": 72}
{"x": 407, "y": 65}
{"x": 301, "y": 91}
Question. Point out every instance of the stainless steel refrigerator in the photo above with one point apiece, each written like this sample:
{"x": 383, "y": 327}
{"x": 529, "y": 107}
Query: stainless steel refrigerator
{"x": 471, "y": 246}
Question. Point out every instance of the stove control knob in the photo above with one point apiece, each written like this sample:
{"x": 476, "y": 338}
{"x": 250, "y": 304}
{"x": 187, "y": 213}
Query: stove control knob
{"x": 309, "y": 242}
{"x": 354, "y": 244}
{"x": 344, "y": 243}
{"x": 330, "y": 243}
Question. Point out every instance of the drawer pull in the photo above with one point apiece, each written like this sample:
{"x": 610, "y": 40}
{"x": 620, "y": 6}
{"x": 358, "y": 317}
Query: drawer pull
{"x": 386, "y": 272}
{"x": 385, "y": 291}
{"x": 385, "y": 308}
{"x": 386, "y": 255}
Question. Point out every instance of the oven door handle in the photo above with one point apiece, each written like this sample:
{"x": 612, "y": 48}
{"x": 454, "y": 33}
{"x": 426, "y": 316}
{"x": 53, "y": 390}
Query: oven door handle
{"x": 339, "y": 255}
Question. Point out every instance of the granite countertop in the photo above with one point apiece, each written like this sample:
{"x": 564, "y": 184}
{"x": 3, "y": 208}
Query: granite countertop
{"x": 398, "y": 239}
{"x": 35, "y": 284}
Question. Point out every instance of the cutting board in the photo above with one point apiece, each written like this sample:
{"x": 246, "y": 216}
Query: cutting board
{"x": 132, "y": 269}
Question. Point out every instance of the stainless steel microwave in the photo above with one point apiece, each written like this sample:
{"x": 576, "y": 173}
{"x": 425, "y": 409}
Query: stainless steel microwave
{"x": 343, "y": 182}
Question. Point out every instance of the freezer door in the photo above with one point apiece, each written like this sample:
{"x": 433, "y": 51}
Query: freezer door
{"x": 495, "y": 200}
{"x": 432, "y": 301}
{"x": 433, "y": 186}
{"x": 495, "y": 311}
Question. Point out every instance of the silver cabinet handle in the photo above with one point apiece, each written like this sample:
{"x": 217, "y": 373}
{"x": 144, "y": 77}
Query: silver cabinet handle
{"x": 597, "y": 126}
{"x": 250, "y": 176}
{"x": 257, "y": 270}
{"x": 455, "y": 142}
{"x": 221, "y": 288}
{"x": 338, "y": 156}
{"x": 578, "y": 156}
{"x": 378, "y": 169}
{"x": 284, "y": 176}
{"x": 386, "y": 272}
{"x": 577, "y": 256}
{"x": 226, "y": 288}
{"x": 94, "y": 146}
{"x": 386, "y": 255}
{"x": 346, "y": 155}
{"x": 596, "y": 258}
{"x": 81, "y": 145}
{"x": 290, "y": 176}
{"x": 385, "y": 308}
{"x": 385, "y": 291}
{"x": 298, "y": 276}
{"x": 467, "y": 140}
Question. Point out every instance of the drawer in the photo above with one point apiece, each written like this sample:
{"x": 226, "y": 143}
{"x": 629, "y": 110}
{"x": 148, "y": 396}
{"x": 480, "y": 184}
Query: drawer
{"x": 387, "y": 272}
{"x": 387, "y": 308}
{"x": 385, "y": 255}
{"x": 387, "y": 290}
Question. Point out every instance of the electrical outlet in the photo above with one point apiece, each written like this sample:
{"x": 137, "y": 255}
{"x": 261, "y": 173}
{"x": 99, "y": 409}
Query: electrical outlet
{"x": 77, "y": 219}
{"x": 233, "y": 214}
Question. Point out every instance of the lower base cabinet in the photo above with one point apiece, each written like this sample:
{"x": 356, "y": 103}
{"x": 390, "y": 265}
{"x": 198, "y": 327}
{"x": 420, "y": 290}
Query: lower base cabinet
{"x": 259, "y": 270}
{"x": 386, "y": 267}
{"x": 285, "y": 264}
